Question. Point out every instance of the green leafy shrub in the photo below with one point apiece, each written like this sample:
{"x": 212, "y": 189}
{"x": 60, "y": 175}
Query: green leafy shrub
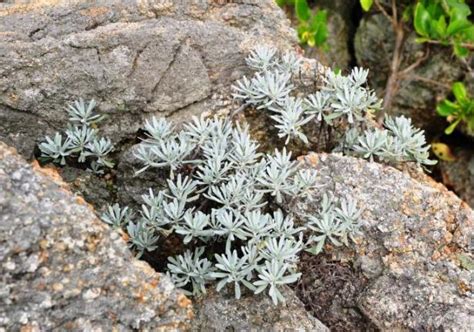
{"x": 80, "y": 141}
{"x": 459, "y": 110}
{"x": 445, "y": 21}
{"x": 312, "y": 27}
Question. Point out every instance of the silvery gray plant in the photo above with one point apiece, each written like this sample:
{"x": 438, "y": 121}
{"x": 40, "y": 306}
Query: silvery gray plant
{"x": 399, "y": 141}
{"x": 340, "y": 99}
{"x": 225, "y": 200}
{"x": 221, "y": 193}
{"x": 335, "y": 223}
{"x": 81, "y": 139}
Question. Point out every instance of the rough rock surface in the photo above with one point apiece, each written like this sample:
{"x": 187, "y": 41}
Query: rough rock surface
{"x": 62, "y": 269}
{"x": 222, "y": 312}
{"x": 136, "y": 58}
{"x": 415, "y": 252}
{"x": 374, "y": 43}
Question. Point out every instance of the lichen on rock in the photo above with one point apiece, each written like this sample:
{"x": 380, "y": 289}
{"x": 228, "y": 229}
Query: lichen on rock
{"x": 415, "y": 242}
{"x": 63, "y": 269}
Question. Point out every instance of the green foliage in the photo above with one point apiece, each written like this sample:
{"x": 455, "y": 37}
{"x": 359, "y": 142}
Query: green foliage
{"x": 312, "y": 27}
{"x": 436, "y": 21}
{"x": 81, "y": 139}
{"x": 459, "y": 110}
{"x": 441, "y": 21}
{"x": 366, "y": 4}
{"x": 445, "y": 21}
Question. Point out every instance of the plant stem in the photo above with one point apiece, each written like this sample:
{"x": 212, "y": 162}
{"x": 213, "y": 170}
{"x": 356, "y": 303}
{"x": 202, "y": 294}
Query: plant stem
{"x": 427, "y": 80}
{"x": 393, "y": 80}
{"x": 437, "y": 42}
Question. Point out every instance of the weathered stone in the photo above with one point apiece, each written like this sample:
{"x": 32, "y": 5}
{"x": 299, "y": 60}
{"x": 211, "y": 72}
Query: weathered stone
{"x": 414, "y": 257}
{"x": 98, "y": 190}
{"x": 136, "y": 58}
{"x": 421, "y": 89}
{"x": 62, "y": 269}
{"x": 222, "y": 312}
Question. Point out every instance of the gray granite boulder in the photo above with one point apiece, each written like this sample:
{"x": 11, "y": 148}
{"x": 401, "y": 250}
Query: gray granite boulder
{"x": 62, "y": 269}
{"x": 222, "y": 312}
{"x": 412, "y": 268}
{"x": 135, "y": 58}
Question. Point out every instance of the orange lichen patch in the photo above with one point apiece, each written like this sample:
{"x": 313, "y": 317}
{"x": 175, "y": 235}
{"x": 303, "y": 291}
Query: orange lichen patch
{"x": 464, "y": 206}
{"x": 29, "y": 328}
{"x": 124, "y": 235}
{"x": 25, "y": 8}
{"x": 50, "y": 172}
{"x": 436, "y": 255}
{"x": 183, "y": 301}
{"x": 81, "y": 201}
{"x": 154, "y": 283}
{"x": 92, "y": 242}
{"x": 94, "y": 11}
{"x": 140, "y": 297}
{"x": 450, "y": 249}
{"x": 463, "y": 288}
{"x": 310, "y": 159}
{"x": 43, "y": 257}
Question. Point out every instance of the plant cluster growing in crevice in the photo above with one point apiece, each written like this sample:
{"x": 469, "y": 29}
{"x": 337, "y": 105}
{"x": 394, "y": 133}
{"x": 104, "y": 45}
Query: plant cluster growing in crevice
{"x": 225, "y": 201}
{"x": 80, "y": 140}
{"x": 340, "y": 101}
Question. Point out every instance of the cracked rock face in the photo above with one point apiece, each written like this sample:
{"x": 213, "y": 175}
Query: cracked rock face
{"x": 415, "y": 253}
{"x": 136, "y": 58}
{"x": 63, "y": 269}
{"x": 222, "y": 312}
